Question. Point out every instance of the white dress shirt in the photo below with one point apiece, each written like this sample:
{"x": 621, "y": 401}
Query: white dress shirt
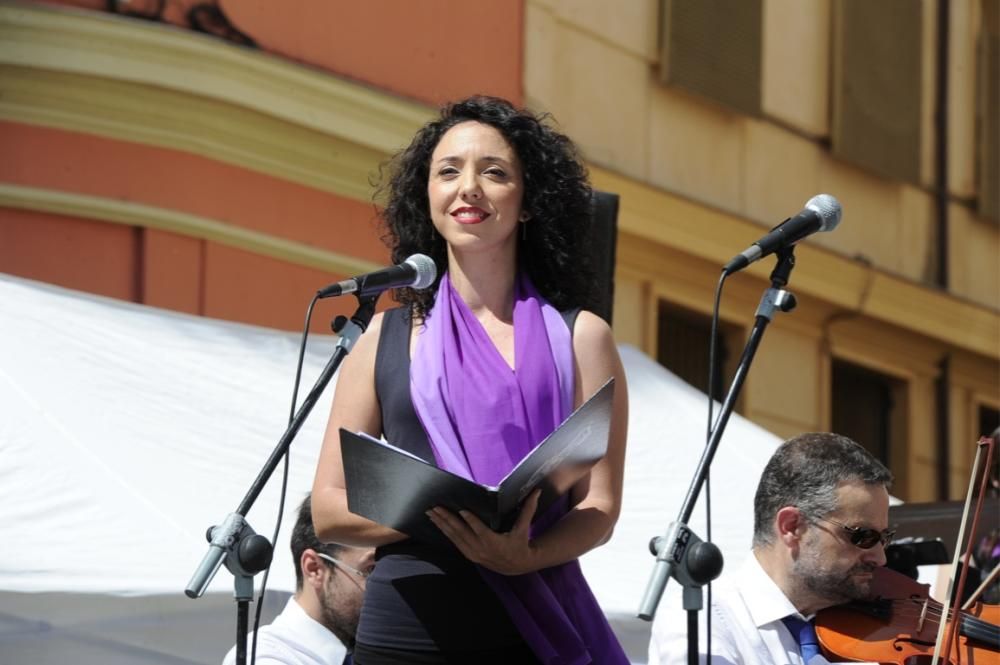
{"x": 747, "y": 609}
{"x": 294, "y": 638}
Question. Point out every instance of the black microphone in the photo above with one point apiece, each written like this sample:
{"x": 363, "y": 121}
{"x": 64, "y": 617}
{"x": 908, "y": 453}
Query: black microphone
{"x": 822, "y": 213}
{"x": 416, "y": 272}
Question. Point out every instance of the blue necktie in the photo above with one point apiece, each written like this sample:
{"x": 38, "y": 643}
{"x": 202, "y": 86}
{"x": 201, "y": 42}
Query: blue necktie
{"x": 804, "y": 634}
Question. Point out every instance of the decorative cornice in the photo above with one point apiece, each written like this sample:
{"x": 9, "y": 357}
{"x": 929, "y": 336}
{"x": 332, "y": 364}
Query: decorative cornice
{"x": 135, "y": 214}
{"x": 166, "y": 119}
{"x": 672, "y": 221}
{"x": 153, "y": 84}
{"x": 102, "y": 45}
{"x": 156, "y": 85}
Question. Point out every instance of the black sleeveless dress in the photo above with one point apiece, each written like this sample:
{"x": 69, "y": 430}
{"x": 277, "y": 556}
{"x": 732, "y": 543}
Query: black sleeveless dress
{"x": 425, "y": 604}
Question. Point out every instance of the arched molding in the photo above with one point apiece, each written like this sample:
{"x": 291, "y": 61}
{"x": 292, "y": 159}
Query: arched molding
{"x": 650, "y": 219}
{"x": 156, "y": 85}
{"x": 193, "y": 226}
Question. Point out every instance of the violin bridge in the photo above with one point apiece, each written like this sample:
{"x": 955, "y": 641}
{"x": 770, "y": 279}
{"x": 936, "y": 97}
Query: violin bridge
{"x": 923, "y": 615}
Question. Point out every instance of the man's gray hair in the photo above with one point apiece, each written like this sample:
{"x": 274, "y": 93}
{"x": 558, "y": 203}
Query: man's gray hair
{"x": 805, "y": 472}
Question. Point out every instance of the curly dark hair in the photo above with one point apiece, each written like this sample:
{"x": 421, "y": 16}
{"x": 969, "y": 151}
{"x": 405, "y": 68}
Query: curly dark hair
{"x": 557, "y": 196}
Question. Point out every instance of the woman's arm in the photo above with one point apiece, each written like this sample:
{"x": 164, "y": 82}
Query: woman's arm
{"x": 596, "y": 499}
{"x": 355, "y": 408}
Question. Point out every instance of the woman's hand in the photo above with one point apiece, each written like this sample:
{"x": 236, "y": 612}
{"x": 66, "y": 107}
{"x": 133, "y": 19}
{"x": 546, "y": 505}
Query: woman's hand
{"x": 510, "y": 553}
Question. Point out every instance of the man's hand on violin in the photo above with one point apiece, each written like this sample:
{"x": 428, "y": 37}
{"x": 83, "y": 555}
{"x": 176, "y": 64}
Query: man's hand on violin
{"x": 510, "y": 553}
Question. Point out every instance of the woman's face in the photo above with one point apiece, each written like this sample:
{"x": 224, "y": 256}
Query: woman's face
{"x": 475, "y": 189}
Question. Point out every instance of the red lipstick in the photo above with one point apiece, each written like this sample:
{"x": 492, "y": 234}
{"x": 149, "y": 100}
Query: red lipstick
{"x": 469, "y": 215}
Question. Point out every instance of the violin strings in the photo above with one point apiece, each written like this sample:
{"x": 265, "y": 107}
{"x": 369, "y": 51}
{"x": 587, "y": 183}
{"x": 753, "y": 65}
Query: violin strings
{"x": 934, "y": 607}
{"x": 913, "y": 607}
{"x": 971, "y": 626}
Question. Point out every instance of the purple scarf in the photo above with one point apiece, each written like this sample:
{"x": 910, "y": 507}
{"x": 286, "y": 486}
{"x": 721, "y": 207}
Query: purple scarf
{"x": 481, "y": 419}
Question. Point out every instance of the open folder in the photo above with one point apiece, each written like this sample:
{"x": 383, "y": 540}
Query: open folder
{"x": 395, "y": 488}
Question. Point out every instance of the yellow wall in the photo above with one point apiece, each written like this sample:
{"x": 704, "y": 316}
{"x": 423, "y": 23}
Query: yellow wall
{"x": 699, "y": 183}
{"x": 594, "y": 68}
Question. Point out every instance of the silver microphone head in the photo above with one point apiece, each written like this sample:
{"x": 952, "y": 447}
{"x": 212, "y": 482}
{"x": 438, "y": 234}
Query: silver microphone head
{"x": 828, "y": 209}
{"x": 426, "y": 270}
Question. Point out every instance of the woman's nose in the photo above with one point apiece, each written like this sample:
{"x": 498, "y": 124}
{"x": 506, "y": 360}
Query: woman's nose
{"x": 471, "y": 191}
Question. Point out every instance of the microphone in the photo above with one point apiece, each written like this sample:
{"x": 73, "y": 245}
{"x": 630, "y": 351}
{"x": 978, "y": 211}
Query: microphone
{"x": 822, "y": 213}
{"x": 416, "y": 272}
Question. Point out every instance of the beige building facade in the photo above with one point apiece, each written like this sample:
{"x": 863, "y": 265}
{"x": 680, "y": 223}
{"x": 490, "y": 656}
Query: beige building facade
{"x": 704, "y": 171}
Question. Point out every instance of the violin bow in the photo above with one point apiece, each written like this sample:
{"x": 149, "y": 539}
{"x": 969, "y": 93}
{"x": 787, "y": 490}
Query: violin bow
{"x": 986, "y": 443}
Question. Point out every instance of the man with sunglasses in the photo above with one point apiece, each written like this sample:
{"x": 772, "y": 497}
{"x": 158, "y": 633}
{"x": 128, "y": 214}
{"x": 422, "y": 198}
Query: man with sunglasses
{"x": 318, "y": 624}
{"x": 821, "y": 514}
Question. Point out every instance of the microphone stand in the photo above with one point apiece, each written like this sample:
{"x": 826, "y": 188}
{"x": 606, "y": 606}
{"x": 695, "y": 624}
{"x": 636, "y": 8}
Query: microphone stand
{"x": 680, "y": 554}
{"x": 234, "y": 542}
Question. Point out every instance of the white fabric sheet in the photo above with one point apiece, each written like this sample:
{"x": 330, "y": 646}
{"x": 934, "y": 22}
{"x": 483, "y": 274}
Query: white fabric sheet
{"x": 126, "y": 430}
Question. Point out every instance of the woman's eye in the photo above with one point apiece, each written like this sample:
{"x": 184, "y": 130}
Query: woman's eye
{"x": 448, "y": 171}
{"x": 496, "y": 172}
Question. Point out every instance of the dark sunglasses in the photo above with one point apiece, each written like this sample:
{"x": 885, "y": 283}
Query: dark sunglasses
{"x": 864, "y": 538}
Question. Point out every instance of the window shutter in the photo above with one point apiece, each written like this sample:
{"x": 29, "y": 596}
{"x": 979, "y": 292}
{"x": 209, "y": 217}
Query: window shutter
{"x": 713, "y": 48}
{"x": 877, "y": 81}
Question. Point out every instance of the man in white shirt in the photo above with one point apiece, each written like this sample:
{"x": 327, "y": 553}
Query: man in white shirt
{"x": 318, "y": 624}
{"x": 821, "y": 513}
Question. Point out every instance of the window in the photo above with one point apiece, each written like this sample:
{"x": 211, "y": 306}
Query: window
{"x": 683, "y": 344}
{"x": 989, "y": 421}
{"x": 877, "y": 77}
{"x": 713, "y": 48}
{"x": 870, "y": 408}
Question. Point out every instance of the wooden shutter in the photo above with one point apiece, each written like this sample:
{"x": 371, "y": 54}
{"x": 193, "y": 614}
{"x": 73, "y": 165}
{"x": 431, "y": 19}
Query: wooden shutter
{"x": 713, "y": 48}
{"x": 877, "y": 81}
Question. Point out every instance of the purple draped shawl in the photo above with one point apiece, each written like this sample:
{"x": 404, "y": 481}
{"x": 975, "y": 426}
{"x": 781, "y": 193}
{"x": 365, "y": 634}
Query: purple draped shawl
{"x": 481, "y": 419}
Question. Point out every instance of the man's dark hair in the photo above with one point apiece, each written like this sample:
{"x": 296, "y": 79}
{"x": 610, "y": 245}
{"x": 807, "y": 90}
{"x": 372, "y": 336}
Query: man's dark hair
{"x": 805, "y": 472}
{"x": 304, "y": 538}
{"x": 557, "y": 196}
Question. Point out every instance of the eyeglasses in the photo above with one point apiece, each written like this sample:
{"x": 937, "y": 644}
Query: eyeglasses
{"x": 864, "y": 538}
{"x": 351, "y": 569}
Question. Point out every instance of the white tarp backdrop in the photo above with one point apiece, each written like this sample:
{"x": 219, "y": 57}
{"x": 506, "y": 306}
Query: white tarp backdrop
{"x": 126, "y": 430}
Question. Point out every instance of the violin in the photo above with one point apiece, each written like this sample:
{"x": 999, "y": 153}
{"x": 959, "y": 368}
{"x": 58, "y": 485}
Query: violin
{"x": 904, "y": 625}
{"x": 901, "y": 626}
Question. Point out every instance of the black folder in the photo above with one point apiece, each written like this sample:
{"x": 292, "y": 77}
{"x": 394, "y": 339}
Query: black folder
{"x": 395, "y": 488}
